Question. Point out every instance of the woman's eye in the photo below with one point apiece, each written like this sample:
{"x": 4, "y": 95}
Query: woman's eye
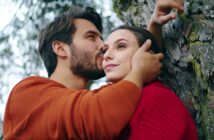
{"x": 120, "y": 46}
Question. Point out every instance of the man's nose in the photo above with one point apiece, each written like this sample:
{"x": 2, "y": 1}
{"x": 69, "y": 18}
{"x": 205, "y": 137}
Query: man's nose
{"x": 100, "y": 43}
{"x": 100, "y": 48}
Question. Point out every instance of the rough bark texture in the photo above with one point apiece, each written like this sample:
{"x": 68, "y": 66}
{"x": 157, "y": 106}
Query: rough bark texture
{"x": 189, "y": 50}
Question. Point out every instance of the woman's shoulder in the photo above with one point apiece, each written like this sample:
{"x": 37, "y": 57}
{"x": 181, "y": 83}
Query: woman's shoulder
{"x": 157, "y": 94}
{"x": 157, "y": 88}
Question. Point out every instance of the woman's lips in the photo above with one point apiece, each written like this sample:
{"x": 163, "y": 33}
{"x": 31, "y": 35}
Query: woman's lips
{"x": 109, "y": 67}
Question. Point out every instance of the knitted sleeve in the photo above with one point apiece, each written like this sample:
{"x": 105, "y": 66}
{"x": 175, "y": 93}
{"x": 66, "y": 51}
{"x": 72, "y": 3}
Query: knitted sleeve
{"x": 100, "y": 114}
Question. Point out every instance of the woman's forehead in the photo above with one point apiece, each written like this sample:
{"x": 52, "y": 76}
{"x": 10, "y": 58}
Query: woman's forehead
{"x": 120, "y": 34}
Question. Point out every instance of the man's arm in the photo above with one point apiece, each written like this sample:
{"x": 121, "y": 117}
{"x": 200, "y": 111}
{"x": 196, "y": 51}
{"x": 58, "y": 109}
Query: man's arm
{"x": 161, "y": 15}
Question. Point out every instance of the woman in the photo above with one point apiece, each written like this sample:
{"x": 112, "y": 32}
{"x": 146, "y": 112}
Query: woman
{"x": 160, "y": 115}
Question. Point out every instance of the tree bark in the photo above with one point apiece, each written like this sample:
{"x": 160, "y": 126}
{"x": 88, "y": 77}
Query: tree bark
{"x": 189, "y": 49}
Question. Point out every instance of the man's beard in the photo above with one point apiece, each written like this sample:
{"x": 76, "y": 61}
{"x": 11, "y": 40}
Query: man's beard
{"x": 82, "y": 64}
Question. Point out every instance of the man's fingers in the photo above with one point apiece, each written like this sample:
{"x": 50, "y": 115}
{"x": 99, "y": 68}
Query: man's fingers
{"x": 180, "y": 1}
{"x": 146, "y": 46}
{"x": 160, "y": 56}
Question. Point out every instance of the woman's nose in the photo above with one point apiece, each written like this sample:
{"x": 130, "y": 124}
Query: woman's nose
{"x": 107, "y": 53}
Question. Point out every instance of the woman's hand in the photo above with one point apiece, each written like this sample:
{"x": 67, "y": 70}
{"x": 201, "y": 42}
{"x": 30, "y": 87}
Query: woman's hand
{"x": 162, "y": 14}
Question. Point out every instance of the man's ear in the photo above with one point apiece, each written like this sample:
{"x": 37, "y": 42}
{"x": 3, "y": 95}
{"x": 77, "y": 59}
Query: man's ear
{"x": 59, "y": 48}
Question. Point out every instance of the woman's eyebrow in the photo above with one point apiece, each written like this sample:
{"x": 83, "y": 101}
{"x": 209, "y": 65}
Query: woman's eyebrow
{"x": 118, "y": 40}
{"x": 121, "y": 39}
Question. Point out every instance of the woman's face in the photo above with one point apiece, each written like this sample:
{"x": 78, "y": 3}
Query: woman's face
{"x": 121, "y": 46}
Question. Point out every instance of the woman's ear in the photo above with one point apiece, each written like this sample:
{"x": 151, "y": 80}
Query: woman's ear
{"x": 59, "y": 48}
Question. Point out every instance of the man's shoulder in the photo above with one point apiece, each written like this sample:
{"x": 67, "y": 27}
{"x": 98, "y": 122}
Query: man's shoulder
{"x": 34, "y": 82}
{"x": 34, "y": 78}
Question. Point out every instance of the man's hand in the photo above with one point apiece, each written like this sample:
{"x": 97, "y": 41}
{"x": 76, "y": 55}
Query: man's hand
{"x": 162, "y": 14}
{"x": 145, "y": 66}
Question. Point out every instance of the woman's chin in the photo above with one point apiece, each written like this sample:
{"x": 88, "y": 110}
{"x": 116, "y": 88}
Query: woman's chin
{"x": 113, "y": 79}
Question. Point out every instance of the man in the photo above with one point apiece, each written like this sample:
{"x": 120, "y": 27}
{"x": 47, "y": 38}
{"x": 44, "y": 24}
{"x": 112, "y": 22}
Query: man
{"x": 59, "y": 107}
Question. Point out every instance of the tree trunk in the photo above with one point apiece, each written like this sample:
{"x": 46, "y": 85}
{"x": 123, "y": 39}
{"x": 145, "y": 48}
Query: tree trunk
{"x": 189, "y": 50}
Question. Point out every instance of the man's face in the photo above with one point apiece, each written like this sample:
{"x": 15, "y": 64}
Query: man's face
{"x": 86, "y": 59}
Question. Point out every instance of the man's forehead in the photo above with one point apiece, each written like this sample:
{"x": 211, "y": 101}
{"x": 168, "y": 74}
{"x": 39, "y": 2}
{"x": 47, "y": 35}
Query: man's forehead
{"x": 85, "y": 26}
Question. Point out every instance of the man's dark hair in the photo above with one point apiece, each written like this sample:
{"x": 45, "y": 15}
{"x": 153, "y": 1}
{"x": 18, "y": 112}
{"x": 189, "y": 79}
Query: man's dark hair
{"x": 62, "y": 29}
{"x": 141, "y": 35}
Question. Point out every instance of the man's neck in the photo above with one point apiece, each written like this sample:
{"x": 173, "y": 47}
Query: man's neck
{"x": 68, "y": 79}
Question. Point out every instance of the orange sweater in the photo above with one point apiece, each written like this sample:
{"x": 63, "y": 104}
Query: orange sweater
{"x": 39, "y": 108}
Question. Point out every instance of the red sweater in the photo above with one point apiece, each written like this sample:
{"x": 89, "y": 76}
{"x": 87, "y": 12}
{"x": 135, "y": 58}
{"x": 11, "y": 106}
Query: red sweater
{"x": 42, "y": 109}
{"x": 160, "y": 115}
